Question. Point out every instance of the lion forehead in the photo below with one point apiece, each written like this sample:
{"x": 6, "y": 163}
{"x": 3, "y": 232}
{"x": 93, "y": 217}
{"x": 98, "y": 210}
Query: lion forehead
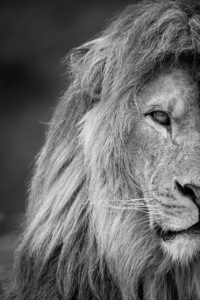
{"x": 175, "y": 92}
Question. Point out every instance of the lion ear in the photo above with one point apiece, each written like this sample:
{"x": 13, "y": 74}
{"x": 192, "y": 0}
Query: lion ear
{"x": 78, "y": 59}
{"x": 78, "y": 53}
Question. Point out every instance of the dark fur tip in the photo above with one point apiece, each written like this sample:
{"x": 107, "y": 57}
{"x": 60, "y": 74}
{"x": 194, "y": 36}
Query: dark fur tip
{"x": 190, "y": 7}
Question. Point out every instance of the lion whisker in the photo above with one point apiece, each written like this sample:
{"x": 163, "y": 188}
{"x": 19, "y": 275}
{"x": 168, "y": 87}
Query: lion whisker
{"x": 134, "y": 199}
{"x": 140, "y": 209}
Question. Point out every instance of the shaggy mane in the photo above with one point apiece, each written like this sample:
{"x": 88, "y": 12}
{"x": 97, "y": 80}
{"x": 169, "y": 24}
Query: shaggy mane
{"x": 75, "y": 246}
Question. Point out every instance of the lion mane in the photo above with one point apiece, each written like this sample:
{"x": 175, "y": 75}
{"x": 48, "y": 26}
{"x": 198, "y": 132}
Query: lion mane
{"x": 78, "y": 243}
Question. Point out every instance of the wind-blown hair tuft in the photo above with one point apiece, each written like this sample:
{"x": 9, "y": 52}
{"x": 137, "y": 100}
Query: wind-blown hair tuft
{"x": 74, "y": 246}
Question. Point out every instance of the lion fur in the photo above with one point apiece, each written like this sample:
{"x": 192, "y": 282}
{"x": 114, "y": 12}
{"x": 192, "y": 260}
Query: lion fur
{"x": 73, "y": 246}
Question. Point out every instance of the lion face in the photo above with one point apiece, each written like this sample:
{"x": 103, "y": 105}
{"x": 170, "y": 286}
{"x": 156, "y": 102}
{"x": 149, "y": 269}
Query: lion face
{"x": 168, "y": 133}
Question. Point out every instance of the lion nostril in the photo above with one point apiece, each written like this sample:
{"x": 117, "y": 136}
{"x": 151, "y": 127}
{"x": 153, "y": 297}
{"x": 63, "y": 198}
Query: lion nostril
{"x": 188, "y": 190}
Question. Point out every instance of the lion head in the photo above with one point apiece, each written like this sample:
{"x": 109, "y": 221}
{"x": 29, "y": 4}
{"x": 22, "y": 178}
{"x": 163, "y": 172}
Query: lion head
{"x": 114, "y": 201}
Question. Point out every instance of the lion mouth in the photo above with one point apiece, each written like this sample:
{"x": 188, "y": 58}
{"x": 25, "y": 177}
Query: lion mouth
{"x": 169, "y": 234}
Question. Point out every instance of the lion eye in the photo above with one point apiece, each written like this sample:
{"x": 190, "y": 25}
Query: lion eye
{"x": 161, "y": 117}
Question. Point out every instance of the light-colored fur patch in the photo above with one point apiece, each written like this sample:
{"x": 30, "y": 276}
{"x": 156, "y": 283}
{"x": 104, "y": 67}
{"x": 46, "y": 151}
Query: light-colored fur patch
{"x": 182, "y": 248}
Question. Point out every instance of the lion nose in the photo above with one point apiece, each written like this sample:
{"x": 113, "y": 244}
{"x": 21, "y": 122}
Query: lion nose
{"x": 190, "y": 190}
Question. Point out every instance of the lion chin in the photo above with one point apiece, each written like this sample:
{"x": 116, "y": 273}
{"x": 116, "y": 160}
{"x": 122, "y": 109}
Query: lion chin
{"x": 182, "y": 248}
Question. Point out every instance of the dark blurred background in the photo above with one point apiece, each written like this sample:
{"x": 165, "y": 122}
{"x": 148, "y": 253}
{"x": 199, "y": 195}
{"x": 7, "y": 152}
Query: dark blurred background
{"x": 34, "y": 38}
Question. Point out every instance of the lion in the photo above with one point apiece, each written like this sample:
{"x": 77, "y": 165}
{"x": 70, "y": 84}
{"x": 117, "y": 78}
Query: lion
{"x": 113, "y": 212}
